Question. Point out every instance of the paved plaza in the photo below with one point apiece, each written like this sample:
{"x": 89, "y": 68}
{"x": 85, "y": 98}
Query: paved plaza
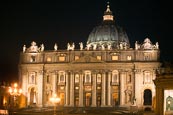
{"x": 78, "y": 111}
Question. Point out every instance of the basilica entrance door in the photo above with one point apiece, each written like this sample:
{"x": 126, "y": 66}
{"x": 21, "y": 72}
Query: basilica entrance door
{"x": 115, "y": 95}
{"x": 115, "y": 99}
{"x": 87, "y": 99}
{"x": 61, "y": 96}
{"x": 76, "y": 101}
{"x": 99, "y": 100}
{"x": 147, "y": 97}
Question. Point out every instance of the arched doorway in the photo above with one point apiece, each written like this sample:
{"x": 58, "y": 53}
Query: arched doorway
{"x": 115, "y": 99}
{"x": 98, "y": 100}
{"x": 76, "y": 101}
{"x": 61, "y": 96}
{"x": 32, "y": 96}
{"x": 87, "y": 99}
{"x": 169, "y": 103}
{"x": 147, "y": 97}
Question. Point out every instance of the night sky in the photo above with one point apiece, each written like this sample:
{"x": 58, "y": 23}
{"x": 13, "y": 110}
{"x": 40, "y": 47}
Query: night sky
{"x": 60, "y": 22}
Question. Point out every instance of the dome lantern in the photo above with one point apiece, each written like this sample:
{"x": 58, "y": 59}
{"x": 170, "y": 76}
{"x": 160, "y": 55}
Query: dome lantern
{"x": 108, "y": 14}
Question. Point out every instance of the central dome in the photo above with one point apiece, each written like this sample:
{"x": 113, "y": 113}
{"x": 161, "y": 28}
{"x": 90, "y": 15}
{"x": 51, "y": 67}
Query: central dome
{"x": 108, "y": 33}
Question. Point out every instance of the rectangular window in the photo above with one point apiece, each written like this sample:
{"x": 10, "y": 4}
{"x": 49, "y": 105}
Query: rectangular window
{"x": 114, "y": 58}
{"x": 99, "y": 57}
{"x": 76, "y": 57}
{"x": 48, "y": 59}
{"x": 61, "y": 58}
{"x": 129, "y": 58}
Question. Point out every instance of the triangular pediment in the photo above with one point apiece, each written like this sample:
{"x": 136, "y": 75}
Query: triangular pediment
{"x": 87, "y": 59}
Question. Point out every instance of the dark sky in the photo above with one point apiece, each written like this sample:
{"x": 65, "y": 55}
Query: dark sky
{"x": 71, "y": 21}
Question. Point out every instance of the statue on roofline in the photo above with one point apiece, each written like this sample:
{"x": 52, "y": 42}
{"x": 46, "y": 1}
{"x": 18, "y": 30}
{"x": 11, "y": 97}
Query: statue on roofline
{"x": 42, "y": 47}
{"x": 55, "y": 47}
{"x": 24, "y": 48}
{"x": 81, "y": 45}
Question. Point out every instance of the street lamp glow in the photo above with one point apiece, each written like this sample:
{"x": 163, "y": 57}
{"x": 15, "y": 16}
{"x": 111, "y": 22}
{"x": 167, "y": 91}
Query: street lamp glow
{"x": 15, "y": 91}
{"x": 55, "y": 100}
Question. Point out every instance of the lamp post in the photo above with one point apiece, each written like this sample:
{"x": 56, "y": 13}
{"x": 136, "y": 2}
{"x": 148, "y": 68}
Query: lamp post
{"x": 15, "y": 91}
{"x": 55, "y": 100}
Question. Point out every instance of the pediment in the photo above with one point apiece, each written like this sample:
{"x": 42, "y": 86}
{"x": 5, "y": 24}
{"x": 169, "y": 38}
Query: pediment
{"x": 87, "y": 59}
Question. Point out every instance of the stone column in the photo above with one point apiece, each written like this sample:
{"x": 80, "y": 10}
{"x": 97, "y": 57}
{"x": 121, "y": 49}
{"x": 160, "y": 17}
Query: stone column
{"x": 54, "y": 81}
{"x": 138, "y": 88}
{"x": 67, "y": 94}
{"x": 94, "y": 90}
{"x": 134, "y": 83}
{"x": 122, "y": 88}
{"x": 103, "y": 101}
{"x": 159, "y": 100}
{"x": 24, "y": 83}
{"x": 109, "y": 89}
{"x": 81, "y": 90}
{"x": 28, "y": 100}
{"x": 40, "y": 89}
{"x": 71, "y": 89}
{"x": 153, "y": 85}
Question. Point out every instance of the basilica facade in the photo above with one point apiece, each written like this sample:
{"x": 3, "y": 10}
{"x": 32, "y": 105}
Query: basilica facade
{"x": 106, "y": 72}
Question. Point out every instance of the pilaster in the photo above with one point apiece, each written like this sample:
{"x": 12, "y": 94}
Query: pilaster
{"x": 81, "y": 91}
{"x": 109, "y": 89}
{"x": 103, "y": 101}
{"x": 122, "y": 88}
{"x": 67, "y": 94}
{"x": 94, "y": 91}
{"x": 71, "y": 89}
{"x": 40, "y": 89}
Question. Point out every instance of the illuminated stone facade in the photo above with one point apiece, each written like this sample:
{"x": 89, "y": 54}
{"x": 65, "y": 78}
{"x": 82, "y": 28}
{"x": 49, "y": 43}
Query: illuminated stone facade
{"x": 106, "y": 72}
{"x": 164, "y": 93}
{"x": 4, "y": 95}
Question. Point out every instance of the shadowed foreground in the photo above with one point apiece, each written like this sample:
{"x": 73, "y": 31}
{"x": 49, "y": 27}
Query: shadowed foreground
{"x": 78, "y": 111}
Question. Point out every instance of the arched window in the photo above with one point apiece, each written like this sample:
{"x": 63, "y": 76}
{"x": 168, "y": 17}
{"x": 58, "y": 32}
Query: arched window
{"x": 87, "y": 77}
{"x": 77, "y": 78}
{"x": 115, "y": 77}
{"x": 99, "y": 78}
{"x": 169, "y": 103}
{"x": 62, "y": 76}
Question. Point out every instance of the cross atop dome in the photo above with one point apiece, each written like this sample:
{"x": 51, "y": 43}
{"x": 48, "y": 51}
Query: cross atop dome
{"x": 108, "y": 14}
{"x": 108, "y": 7}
